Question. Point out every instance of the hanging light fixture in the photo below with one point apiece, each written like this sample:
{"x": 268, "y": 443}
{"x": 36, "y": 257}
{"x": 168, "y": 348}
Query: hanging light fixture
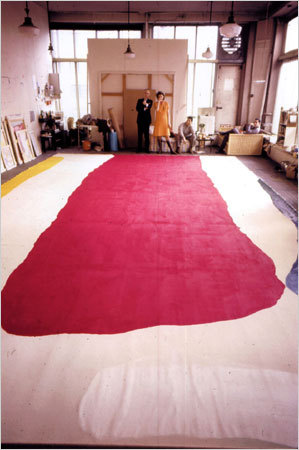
{"x": 50, "y": 48}
{"x": 129, "y": 52}
{"x": 208, "y": 53}
{"x": 27, "y": 27}
{"x": 231, "y": 29}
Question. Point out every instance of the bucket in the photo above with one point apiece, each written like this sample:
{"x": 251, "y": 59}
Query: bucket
{"x": 113, "y": 141}
{"x": 86, "y": 145}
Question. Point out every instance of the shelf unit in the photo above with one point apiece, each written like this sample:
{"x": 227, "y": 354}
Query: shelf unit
{"x": 288, "y": 128}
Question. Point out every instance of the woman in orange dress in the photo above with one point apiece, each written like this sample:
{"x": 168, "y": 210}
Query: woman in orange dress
{"x": 162, "y": 121}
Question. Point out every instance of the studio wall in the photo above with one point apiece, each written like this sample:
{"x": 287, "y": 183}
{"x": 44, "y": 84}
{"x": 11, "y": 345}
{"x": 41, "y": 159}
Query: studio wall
{"x": 25, "y": 62}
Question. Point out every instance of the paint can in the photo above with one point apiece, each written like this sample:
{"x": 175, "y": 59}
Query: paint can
{"x": 86, "y": 145}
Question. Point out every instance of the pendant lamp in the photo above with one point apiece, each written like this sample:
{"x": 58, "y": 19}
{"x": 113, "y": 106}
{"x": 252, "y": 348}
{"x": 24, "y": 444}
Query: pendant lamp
{"x": 231, "y": 28}
{"x": 129, "y": 52}
{"x": 208, "y": 53}
{"x": 27, "y": 27}
{"x": 50, "y": 48}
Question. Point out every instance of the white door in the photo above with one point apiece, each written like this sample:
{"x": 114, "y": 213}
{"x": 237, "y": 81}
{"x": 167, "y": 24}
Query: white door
{"x": 227, "y": 94}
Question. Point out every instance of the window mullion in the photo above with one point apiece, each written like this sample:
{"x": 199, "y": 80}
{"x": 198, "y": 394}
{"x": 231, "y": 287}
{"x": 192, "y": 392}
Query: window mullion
{"x": 57, "y": 100}
{"x": 193, "y": 81}
{"x": 195, "y": 50}
{"x": 77, "y": 90}
{"x": 76, "y": 76}
{"x": 193, "y": 84}
{"x": 87, "y": 89}
{"x": 74, "y": 43}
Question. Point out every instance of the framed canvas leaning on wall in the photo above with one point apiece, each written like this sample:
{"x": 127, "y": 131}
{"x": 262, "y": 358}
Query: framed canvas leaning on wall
{"x": 7, "y": 157}
{"x": 34, "y": 143}
{"x": 25, "y": 145}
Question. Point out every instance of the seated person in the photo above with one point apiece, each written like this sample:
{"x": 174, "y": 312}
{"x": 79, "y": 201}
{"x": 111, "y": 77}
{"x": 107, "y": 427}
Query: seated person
{"x": 252, "y": 128}
{"x": 186, "y": 133}
{"x": 104, "y": 126}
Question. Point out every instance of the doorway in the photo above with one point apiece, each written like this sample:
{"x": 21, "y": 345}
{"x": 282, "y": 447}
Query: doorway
{"x": 121, "y": 91}
{"x": 227, "y": 94}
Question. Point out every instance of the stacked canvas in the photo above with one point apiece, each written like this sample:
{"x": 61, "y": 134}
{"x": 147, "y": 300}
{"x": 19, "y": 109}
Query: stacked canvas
{"x": 18, "y": 145}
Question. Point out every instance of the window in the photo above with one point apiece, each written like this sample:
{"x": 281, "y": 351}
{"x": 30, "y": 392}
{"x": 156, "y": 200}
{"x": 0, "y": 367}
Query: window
{"x": 203, "y": 86}
{"x": 81, "y": 37}
{"x": 108, "y": 34}
{"x": 134, "y": 34}
{"x": 63, "y": 43}
{"x": 82, "y": 88}
{"x": 201, "y": 74}
{"x": 73, "y": 45}
{"x": 163, "y": 32}
{"x": 291, "y": 42}
{"x": 206, "y": 36}
{"x": 190, "y": 34}
{"x": 287, "y": 92}
{"x": 190, "y": 97}
{"x": 68, "y": 101}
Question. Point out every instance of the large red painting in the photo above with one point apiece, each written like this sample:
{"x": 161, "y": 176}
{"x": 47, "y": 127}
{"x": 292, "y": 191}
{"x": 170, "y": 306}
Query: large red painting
{"x": 146, "y": 240}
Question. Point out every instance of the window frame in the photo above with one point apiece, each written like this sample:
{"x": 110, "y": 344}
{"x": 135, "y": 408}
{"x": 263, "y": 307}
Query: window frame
{"x": 194, "y": 61}
{"x": 132, "y": 27}
{"x": 75, "y": 60}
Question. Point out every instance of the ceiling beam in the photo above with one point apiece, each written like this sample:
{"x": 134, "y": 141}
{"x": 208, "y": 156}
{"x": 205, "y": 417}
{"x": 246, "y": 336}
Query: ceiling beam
{"x": 154, "y": 18}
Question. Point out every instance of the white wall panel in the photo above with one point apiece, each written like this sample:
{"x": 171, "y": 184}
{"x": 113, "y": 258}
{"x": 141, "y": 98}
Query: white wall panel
{"x": 153, "y": 56}
{"x": 112, "y": 83}
{"x": 160, "y": 82}
{"x": 137, "y": 81}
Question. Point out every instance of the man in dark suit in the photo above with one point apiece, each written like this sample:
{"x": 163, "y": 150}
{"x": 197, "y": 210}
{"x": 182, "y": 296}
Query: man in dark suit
{"x": 144, "y": 119}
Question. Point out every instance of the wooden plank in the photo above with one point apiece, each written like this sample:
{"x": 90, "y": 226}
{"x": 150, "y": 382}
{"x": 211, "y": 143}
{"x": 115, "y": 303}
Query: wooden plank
{"x": 103, "y": 77}
{"x": 113, "y": 94}
{"x": 116, "y": 127}
{"x": 292, "y": 54}
{"x": 169, "y": 77}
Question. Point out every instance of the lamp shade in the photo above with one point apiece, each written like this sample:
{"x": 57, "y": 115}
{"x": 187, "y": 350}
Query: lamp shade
{"x": 129, "y": 53}
{"x": 230, "y": 30}
{"x": 208, "y": 53}
{"x": 28, "y": 28}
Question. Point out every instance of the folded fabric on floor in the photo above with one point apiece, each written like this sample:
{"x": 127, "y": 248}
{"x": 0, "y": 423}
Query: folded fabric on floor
{"x": 144, "y": 241}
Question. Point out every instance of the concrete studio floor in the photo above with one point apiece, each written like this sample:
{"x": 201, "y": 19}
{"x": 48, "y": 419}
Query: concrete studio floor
{"x": 135, "y": 388}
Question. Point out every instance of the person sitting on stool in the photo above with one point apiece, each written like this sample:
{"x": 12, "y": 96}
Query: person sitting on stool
{"x": 186, "y": 133}
{"x": 252, "y": 128}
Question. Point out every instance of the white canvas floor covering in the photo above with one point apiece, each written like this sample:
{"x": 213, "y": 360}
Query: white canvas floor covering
{"x": 228, "y": 384}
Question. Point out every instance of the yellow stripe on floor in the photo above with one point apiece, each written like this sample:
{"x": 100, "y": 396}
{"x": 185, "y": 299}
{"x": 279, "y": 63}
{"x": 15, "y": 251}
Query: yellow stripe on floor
{"x": 29, "y": 173}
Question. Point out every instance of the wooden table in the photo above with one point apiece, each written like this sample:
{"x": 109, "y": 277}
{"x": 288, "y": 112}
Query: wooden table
{"x": 203, "y": 140}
